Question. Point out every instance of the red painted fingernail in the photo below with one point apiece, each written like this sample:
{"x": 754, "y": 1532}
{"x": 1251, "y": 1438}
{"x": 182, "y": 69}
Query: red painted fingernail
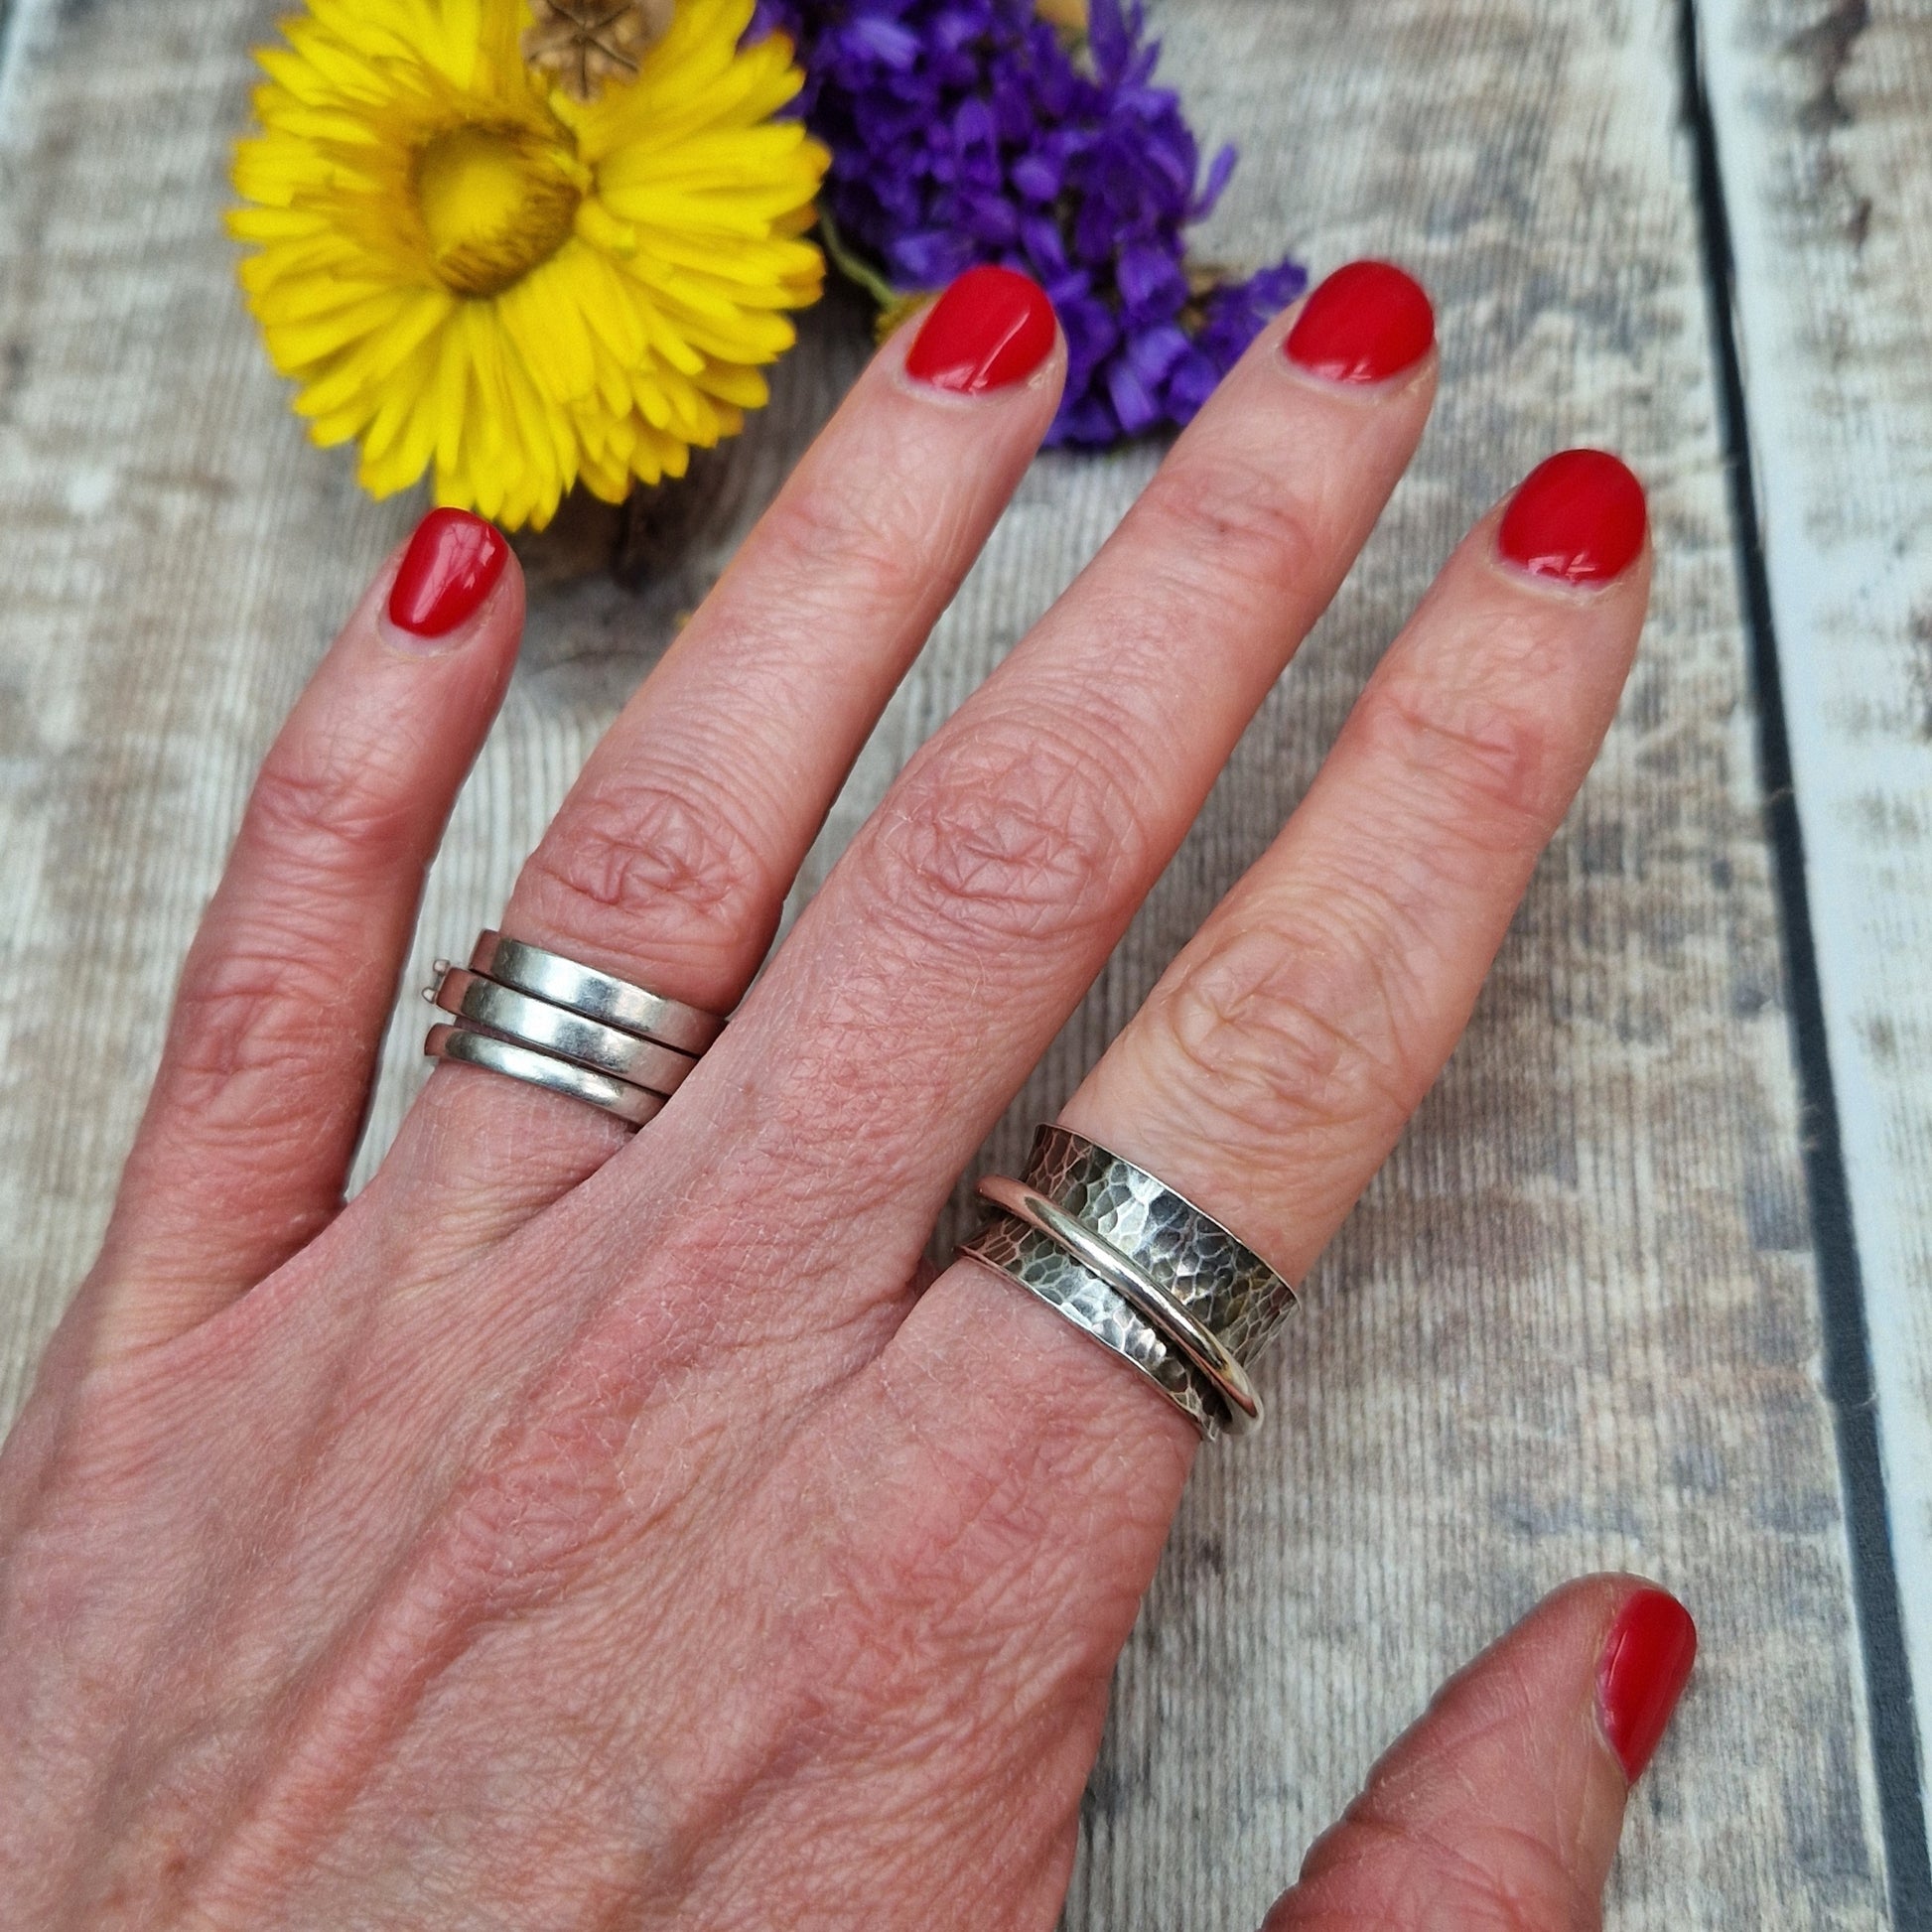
{"x": 1645, "y": 1665}
{"x": 992, "y": 329}
{"x": 1578, "y": 518}
{"x": 1366, "y": 323}
{"x": 451, "y": 564}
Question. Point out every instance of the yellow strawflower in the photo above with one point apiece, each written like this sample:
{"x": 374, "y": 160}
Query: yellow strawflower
{"x": 463, "y": 264}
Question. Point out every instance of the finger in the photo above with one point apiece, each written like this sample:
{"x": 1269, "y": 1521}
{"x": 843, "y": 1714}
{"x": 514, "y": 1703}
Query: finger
{"x": 968, "y": 917}
{"x": 1268, "y": 1071}
{"x": 1281, "y": 1055}
{"x": 1278, "y": 1059}
{"x": 1504, "y": 1804}
{"x": 266, "y": 1075}
{"x": 670, "y": 859}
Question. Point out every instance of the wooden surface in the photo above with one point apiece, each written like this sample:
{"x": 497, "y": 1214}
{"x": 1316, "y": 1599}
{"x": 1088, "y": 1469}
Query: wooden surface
{"x": 1825, "y": 118}
{"x": 1577, "y": 1323}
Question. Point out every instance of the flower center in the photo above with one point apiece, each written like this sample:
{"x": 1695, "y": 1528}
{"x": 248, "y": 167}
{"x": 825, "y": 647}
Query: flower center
{"x": 495, "y": 201}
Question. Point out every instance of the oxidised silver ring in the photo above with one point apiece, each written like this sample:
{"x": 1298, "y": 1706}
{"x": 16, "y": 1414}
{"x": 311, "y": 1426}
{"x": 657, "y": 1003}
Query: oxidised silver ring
{"x": 1223, "y": 1288}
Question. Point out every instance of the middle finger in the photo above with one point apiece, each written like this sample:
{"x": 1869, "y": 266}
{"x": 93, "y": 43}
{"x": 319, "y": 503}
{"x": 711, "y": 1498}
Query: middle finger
{"x": 963, "y": 925}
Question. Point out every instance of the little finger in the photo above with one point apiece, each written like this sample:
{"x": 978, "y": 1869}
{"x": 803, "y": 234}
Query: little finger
{"x": 668, "y": 864}
{"x": 265, "y": 1076}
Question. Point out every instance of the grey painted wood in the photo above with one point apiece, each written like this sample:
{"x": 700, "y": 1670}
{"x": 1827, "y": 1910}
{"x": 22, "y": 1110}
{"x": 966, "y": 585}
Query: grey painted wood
{"x": 1825, "y": 117}
{"x": 1573, "y": 1325}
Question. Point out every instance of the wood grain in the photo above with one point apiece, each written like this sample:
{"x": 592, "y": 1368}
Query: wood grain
{"x": 1574, "y": 1323}
{"x": 1823, "y": 113}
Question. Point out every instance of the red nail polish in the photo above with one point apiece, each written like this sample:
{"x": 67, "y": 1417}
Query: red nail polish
{"x": 1645, "y": 1665}
{"x": 992, "y": 329}
{"x": 1366, "y": 323}
{"x": 451, "y": 564}
{"x": 1578, "y": 518}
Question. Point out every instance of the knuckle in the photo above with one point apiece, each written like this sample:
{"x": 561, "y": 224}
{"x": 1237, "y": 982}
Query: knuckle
{"x": 1487, "y": 759}
{"x": 252, "y": 1011}
{"x": 1004, "y": 831}
{"x": 1230, "y": 523}
{"x": 948, "y": 1582}
{"x": 534, "y": 1521}
{"x": 844, "y": 547}
{"x": 1381, "y": 1866}
{"x": 1270, "y": 1035}
{"x": 265, "y": 992}
{"x": 665, "y": 867}
{"x": 328, "y": 807}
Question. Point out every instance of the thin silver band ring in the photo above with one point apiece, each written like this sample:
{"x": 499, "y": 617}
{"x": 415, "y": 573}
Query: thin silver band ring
{"x": 538, "y": 1069}
{"x": 597, "y": 996}
{"x": 552, "y": 1030}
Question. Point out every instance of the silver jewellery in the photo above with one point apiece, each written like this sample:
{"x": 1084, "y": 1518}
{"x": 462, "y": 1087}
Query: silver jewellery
{"x": 550, "y": 1023}
{"x": 597, "y": 996}
{"x": 552, "y": 1030}
{"x": 543, "y": 1070}
{"x": 1140, "y": 1268}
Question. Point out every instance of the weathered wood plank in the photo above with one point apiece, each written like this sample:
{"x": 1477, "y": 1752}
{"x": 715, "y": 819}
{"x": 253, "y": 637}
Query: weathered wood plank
{"x": 1823, "y": 113}
{"x": 1575, "y": 1322}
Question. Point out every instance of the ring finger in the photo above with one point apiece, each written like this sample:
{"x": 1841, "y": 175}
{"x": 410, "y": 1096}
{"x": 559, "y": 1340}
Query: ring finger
{"x": 669, "y": 862}
{"x": 973, "y": 910}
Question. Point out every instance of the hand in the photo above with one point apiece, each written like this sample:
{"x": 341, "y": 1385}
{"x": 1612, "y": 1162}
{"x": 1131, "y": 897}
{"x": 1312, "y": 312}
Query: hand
{"x": 582, "y": 1531}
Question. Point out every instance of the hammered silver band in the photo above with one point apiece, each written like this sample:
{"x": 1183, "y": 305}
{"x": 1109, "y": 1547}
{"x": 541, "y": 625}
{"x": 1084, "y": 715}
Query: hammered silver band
{"x": 1089, "y": 1233}
{"x": 1172, "y": 1318}
{"x": 548, "y": 1021}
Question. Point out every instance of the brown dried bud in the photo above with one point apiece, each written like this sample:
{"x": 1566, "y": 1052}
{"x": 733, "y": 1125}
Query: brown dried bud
{"x": 583, "y": 45}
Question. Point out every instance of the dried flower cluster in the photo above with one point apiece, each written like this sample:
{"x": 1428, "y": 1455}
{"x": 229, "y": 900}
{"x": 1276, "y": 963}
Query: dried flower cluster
{"x": 970, "y": 131}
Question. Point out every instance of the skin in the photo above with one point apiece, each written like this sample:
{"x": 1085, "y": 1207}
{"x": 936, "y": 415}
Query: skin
{"x": 581, "y": 1531}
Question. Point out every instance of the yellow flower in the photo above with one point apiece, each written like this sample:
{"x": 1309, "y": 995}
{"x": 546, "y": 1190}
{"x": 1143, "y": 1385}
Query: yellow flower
{"x": 463, "y": 266}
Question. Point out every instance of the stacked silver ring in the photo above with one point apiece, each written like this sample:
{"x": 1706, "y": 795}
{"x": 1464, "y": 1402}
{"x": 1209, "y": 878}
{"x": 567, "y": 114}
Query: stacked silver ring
{"x": 551, "y": 1023}
{"x": 1140, "y": 1268}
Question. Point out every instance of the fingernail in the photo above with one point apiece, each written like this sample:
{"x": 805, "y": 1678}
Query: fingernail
{"x": 451, "y": 566}
{"x": 1645, "y": 1665}
{"x": 992, "y": 329}
{"x": 1366, "y": 323}
{"x": 1578, "y": 518}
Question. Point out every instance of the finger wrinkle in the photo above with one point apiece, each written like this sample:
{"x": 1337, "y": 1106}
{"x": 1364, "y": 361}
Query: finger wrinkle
{"x": 1010, "y": 829}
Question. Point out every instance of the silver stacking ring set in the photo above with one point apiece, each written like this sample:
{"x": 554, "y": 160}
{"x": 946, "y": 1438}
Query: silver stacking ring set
{"x": 550, "y": 1023}
{"x": 1119, "y": 1253}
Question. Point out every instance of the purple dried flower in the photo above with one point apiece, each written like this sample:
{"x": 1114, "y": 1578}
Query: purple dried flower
{"x": 965, "y": 131}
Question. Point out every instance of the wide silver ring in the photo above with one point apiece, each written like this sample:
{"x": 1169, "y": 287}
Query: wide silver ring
{"x": 535, "y": 1022}
{"x": 1140, "y": 1290}
{"x": 1222, "y": 1286}
{"x": 460, "y": 1043}
{"x": 597, "y": 996}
